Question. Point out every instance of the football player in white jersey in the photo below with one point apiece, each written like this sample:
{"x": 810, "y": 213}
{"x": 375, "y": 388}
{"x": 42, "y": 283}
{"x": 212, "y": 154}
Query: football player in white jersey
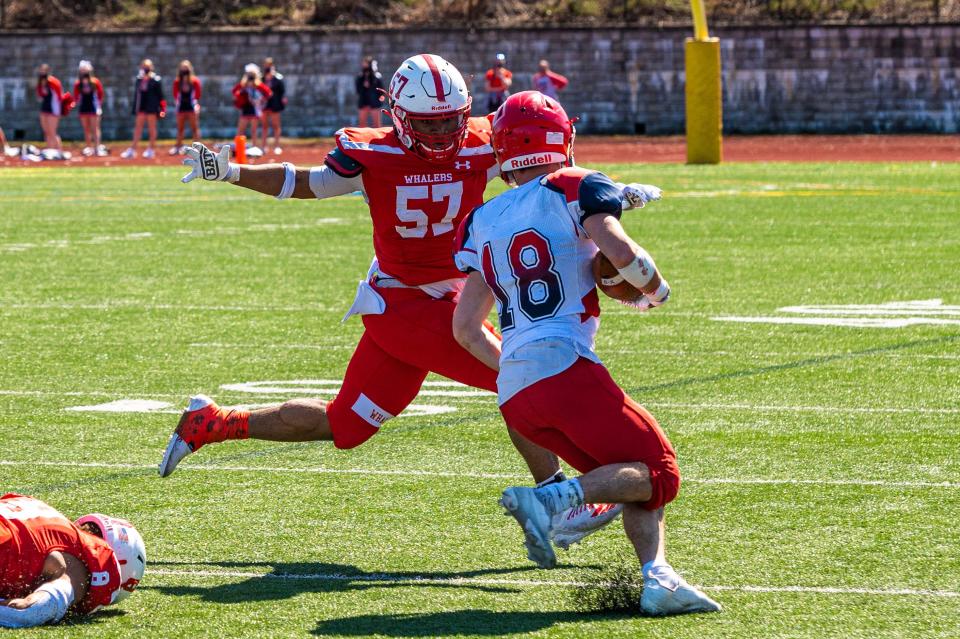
{"x": 530, "y": 251}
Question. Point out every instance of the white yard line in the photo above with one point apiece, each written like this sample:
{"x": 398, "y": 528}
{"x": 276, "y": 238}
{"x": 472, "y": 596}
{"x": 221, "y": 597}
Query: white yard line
{"x": 808, "y": 409}
{"x": 485, "y": 581}
{"x": 136, "y": 305}
{"x": 484, "y": 397}
{"x": 474, "y": 475}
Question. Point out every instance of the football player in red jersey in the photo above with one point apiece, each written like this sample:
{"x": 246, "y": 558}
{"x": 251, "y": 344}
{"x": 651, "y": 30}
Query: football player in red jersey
{"x": 50, "y": 566}
{"x": 420, "y": 177}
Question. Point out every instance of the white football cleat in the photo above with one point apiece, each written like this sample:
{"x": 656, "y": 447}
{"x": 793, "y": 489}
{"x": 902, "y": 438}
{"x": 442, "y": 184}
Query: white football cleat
{"x": 148, "y": 154}
{"x": 87, "y": 151}
{"x": 187, "y": 437}
{"x": 573, "y": 524}
{"x": 530, "y": 513}
{"x": 129, "y": 153}
{"x": 174, "y": 150}
{"x": 660, "y": 600}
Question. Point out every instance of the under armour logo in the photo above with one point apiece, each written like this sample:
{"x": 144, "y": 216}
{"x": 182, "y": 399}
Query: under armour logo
{"x": 461, "y": 165}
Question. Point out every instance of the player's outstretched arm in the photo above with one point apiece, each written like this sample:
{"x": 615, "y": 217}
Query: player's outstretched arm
{"x": 474, "y": 306}
{"x": 631, "y": 260}
{"x": 280, "y": 180}
{"x": 65, "y": 580}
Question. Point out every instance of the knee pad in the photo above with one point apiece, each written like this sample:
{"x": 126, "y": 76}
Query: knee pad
{"x": 353, "y": 424}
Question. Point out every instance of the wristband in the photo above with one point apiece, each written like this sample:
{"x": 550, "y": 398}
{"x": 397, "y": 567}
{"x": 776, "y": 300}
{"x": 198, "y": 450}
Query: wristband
{"x": 233, "y": 173}
{"x": 660, "y": 296}
{"x": 289, "y": 181}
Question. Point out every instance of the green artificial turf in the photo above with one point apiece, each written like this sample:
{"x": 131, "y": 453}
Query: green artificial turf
{"x": 821, "y": 477}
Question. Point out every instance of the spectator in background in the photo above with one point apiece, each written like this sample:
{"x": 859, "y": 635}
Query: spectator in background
{"x": 275, "y": 105}
{"x": 186, "y": 97}
{"x": 88, "y": 94}
{"x": 547, "y": 82}
{"x": 53, "y": 103}
{"x": 149, "y": 106}
{"x": 250, "y": 95}
{"x": 3, "y": 143}
{"x": 499, "y": 78}
{"x": 370, "y": 94}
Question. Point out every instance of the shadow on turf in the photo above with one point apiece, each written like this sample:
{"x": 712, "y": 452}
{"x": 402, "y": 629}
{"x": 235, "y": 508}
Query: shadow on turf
{"x": 451, "y": 623}
{"x": 291, "y": 579}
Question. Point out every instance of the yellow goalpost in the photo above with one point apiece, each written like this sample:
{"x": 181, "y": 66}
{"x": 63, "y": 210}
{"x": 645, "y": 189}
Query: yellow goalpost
{"x": 704, "y": 95}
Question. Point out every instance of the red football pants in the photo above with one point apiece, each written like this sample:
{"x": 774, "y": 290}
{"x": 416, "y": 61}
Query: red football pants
{"x": 397, "y": 350}
{"x": 585, "y": 418}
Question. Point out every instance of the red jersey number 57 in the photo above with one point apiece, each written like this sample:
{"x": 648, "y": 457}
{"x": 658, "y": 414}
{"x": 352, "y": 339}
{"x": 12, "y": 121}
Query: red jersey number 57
{"x": 451, "y": 192}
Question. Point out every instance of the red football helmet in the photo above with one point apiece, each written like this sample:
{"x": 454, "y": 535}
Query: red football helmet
{"x": 530, "y": 129}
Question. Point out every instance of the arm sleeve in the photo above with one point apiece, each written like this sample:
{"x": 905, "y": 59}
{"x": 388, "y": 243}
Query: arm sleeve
{"x": 465, "y": 254}
{"x": 558, "y": 80}
{"x": 76, "y": 90}
{"x": 55, "y": 598}
{"x": 99, "y": 86}
{"x": 598, "y": 194}
{"x": 197, "y": 89}
{"x": 325, "y": 182}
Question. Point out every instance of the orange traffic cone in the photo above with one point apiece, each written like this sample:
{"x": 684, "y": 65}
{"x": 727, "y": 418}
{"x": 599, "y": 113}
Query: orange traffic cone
{"x": 240, "y": 149}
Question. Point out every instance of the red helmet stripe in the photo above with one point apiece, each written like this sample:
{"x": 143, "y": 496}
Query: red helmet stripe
{"x": 437, "y": 80}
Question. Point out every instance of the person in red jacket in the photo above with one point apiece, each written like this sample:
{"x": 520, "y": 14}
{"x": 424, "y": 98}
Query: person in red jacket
{"x": 186, "y": 97}
{"x": 250, "y": 96}
{"x": 548, "y": 82}
{"x": 53, "y": 104}
{"x": 88, "y": 95}
{"x": 51, "y": 567}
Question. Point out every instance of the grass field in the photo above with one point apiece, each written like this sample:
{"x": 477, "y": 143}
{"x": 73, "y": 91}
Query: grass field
{"x": 822, "y": 476}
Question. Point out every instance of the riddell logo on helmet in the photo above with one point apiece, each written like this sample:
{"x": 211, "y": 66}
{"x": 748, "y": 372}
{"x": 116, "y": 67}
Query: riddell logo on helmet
{"x": 532, "y": 160}
{"x": 441, "y": 107}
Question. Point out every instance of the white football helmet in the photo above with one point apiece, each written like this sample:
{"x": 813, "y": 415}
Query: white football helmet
{"x": 128, "y": 548}
{"x": 427, "y": 87}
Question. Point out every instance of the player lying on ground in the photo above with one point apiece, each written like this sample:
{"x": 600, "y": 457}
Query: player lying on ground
{"x": 530, "y": 250}
{"x": 50, "y": 567}
{"x": 420, "y": 178}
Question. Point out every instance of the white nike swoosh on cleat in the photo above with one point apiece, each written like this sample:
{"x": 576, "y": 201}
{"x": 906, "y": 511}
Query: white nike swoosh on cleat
{"x": 176, "y": 450}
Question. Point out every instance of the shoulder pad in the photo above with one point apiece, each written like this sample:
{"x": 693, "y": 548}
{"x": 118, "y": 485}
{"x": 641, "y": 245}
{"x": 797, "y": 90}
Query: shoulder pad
{"x": 359, "y": 142}
{"x": 567, "y": 181}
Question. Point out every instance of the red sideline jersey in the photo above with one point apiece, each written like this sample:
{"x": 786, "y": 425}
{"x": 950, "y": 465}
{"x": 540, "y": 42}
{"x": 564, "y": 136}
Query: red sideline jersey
{"x": 415, "y": 205}
{"x": 30, "y": 530}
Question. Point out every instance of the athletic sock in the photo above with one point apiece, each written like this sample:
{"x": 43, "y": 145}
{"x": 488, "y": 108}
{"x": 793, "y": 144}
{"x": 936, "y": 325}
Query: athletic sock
{"x": 662, "y": 572}
{"x": 555, "y": 478}
{"x": 230, "y": 424}
{"x": 559, "y": 496}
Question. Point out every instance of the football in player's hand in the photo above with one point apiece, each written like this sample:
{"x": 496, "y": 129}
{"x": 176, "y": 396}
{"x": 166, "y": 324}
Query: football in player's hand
{"x": 609, "y": 280}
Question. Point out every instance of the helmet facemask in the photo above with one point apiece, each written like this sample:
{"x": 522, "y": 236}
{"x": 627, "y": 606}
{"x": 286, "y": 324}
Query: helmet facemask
{"x": 436, "y": 137}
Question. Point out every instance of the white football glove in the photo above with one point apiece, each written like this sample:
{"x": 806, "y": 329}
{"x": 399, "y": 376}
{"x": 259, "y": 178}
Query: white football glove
{"x": 208, "y": 165}
{"x": 635, "y": 196}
